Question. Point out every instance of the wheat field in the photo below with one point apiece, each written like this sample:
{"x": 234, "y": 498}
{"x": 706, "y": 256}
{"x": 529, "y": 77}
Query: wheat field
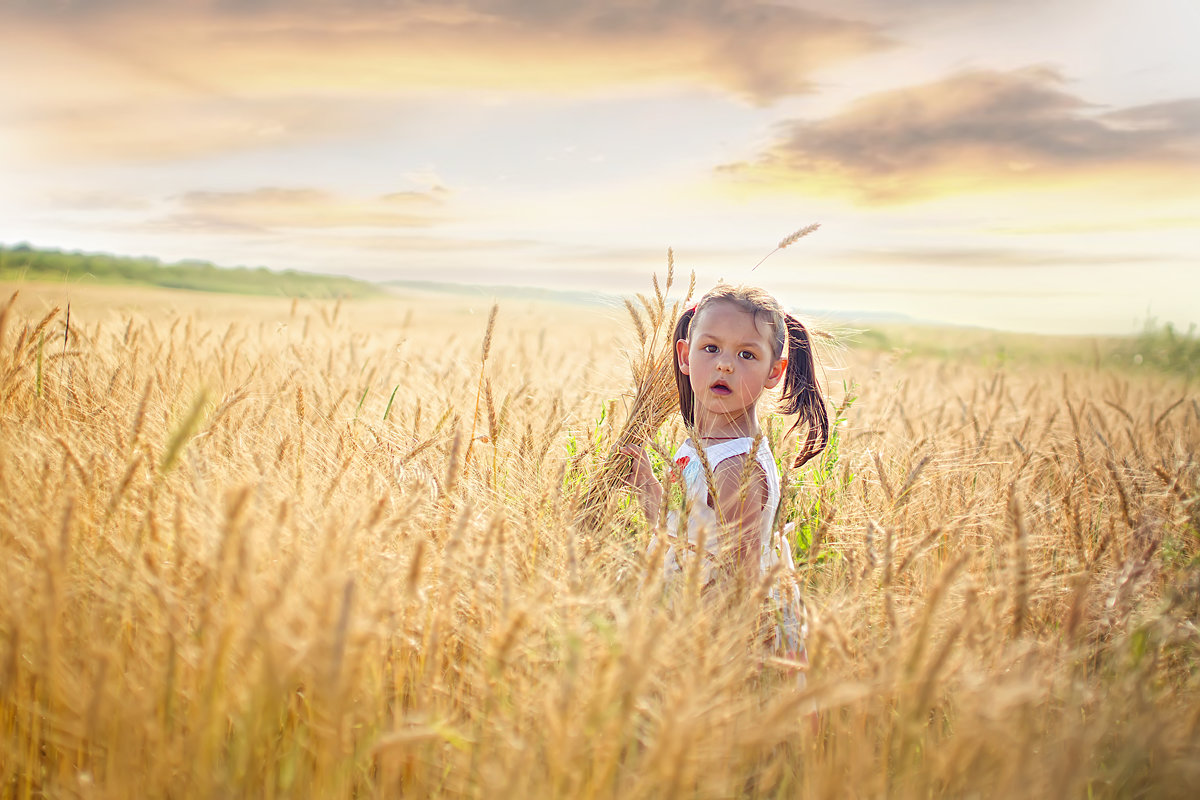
{"x": 276, "y": 548}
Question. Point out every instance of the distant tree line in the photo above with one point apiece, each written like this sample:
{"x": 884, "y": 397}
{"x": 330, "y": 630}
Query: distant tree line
{"x": 23, "y": 262}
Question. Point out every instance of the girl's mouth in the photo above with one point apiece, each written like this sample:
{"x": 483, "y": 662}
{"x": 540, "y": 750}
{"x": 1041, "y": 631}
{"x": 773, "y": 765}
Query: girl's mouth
{"x": 720, "y": 388}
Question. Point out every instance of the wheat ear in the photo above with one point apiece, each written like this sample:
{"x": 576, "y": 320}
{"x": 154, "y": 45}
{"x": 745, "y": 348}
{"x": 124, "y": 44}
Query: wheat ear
{"x": 788, "y": 241}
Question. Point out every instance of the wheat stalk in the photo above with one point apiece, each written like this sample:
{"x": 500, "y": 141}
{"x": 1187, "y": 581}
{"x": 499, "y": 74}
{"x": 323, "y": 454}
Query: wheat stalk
{"x": 655, "y": 396}
{"x": 484, "y": 350}
{"x": 788, "y": 241}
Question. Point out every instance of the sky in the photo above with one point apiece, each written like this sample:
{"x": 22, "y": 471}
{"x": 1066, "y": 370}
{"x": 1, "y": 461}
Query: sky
{"x": 1013, "y": 164}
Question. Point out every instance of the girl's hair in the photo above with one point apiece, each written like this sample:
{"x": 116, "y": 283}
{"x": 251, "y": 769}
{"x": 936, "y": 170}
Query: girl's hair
{"x": 801, "y": 394}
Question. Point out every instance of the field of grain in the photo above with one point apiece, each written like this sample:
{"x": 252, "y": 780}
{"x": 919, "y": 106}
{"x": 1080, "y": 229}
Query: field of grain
{"x": 275, "y": 548}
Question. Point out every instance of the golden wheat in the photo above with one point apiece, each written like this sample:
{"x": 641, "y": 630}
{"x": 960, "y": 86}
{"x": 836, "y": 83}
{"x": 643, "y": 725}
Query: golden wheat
{"x": 221, "y": 577}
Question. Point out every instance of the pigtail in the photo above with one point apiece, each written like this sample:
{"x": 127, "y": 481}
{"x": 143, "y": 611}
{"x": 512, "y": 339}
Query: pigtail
{"x": 687, "y": 399}
{"x": 801, "y": 393}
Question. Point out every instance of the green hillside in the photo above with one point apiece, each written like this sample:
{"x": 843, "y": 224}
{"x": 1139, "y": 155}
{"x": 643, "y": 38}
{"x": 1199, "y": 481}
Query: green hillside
{"x": 23, "y": 262}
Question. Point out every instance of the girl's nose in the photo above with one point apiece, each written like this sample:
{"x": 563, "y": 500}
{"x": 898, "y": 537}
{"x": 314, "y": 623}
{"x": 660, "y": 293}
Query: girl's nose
{"x": 725, "y": 364}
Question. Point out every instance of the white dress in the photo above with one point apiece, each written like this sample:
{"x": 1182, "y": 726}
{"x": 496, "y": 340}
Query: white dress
{"x": 702, "y": 523}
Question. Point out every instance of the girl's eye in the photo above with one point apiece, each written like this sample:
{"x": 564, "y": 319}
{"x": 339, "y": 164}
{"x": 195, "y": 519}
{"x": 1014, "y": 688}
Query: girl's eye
{"x": 710, "y": 348}
{"x": 746, "y": 354}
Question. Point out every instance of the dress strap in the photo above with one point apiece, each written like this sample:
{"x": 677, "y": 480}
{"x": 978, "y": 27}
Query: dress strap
{"x": 716, "y": 453}
{"x": 722, "y": 451}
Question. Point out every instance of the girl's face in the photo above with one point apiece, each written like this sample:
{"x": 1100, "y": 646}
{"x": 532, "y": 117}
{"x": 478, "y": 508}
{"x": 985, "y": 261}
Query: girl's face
{"x": 728, "y": 361}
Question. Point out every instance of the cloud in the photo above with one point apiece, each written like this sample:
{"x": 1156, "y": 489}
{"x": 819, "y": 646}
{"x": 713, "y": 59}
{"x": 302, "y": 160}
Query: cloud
{"x": 109, "y": 81}
{"x": 96, "y": 200}
{"x": 423, "y": 244}
{"x": 968, "y": 257}
{"x": 940, "y": 10}
{"x": 273, "y": 209}
{"x": 976, "y": 131}
{"x": 758, "y": 50}
{"x": 1124, "y": 224}
{"x": 187, "y": 127}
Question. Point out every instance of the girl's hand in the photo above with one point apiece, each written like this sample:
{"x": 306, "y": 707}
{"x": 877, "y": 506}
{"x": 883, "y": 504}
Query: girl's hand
{"x": 640, "y": 477}
{"x": 640, "y": 473}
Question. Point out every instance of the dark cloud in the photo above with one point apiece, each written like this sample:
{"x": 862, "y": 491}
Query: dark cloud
{"x": 909, "y": 10}
{"x": 974, "y": 130}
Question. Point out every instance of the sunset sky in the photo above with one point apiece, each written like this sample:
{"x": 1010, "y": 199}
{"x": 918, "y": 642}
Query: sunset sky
{"x": 1008, "y": 163}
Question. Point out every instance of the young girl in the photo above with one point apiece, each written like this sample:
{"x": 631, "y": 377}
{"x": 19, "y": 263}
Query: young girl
{"x": 732, "y": 346}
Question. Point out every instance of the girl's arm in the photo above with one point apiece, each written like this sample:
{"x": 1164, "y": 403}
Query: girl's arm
{"x": 641, "y": 478}
{"x": 740, "y": 501}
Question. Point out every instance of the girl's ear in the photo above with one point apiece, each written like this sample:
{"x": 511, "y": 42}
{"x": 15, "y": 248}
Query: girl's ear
{"x": 681, "y": 355}
{"x": 778, "y": 370}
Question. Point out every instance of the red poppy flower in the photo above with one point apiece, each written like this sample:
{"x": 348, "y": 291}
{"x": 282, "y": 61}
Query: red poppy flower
{"x": 682, "y": 461}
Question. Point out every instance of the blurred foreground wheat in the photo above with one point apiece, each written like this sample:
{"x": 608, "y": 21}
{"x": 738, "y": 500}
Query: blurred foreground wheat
{"x": 252, "y": 557}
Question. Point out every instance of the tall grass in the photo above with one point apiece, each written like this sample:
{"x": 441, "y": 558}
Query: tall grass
{"x": 229, "y": 569}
